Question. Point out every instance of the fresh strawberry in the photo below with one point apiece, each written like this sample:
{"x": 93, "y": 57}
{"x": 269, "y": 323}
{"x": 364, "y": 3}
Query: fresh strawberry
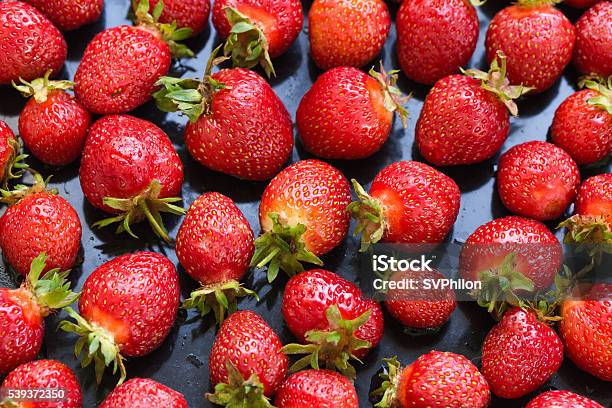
{"x": 130, "y": 168}
{"x": 144, "y": 393}
{"x": 465, "y": 118}
{"x": 562, "y": 399}
{"x": 192, "y": 14}
{"x": 347, "y": 32}
{"x": 302, "y": 215}
{"x": 435, "y": 37}
{"x": 69, "y": 14}
{"x": 537, "y": 180}
{"x": 317, "y": 388}
{"x": 121, "y": 65}
{"x": 257, "y": 30}
{"x": 22, "y": 313}
{"x": 332, "y": 319}
{"x": 537, "y": 39}
{"x": 593, "y": 51}
{"x": 11, "y": 162}
{"x": 408, "y": 202}
{"x": 127, "y": 307}
{"x": 581, "y": 4}
{"x": 215, "y": 246}
{"x": 246, "y": 364}
{"x": 434, "y": 379}
{"x": 52, "y": 125}
{"x": 347, "y": 114}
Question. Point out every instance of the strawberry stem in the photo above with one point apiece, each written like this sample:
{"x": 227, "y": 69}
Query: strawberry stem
{"x": 15, "y": 165}
{"x": 20, "y": 191}
{"x": 393, "y": 98}
{"x": 369, "y": 214}
{"x": 388, "y": 389}
{"x": 238, "y": 392}
{"x": 40, "y": 87}
{"x": 604, "y": 100}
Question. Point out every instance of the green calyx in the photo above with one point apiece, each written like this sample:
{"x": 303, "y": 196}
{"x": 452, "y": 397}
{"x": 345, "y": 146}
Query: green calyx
{"x": 282, "y": 248}
{"x": 15, "y": 165}
{"x": 20, "y": 191}
{"x": 390, "y": 380}
{"x": 393, "y": 97}
{"x": 587, "y": 229}
{"x": 369, "y": 214}
{"x": 496, "y": 82}
{"x": 334, "y": 347}
{"x": 40, "y": 87}
{"x": 238, "y": 392}
{"x": 604, "y": 100}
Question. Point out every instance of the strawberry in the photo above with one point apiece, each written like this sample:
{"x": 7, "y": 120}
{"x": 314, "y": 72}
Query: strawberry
{"x": 302, "y": 215}
{"x": 465, "y": 118}
{"x": 144, "y": 393}
{"x": 246, "y": 364}
{"x": 537, "y": 39}
{"x": 192, "y": 14}
{"x": 537, "y": 180}
{"x": 22, "y": 312}
{"x": 121, "y": 65}
{"x": 69, "y": 14}
{"x": 332, "y": 319}
{"x": 347, "y": 32}
{"x": 130, "y": 168}
{"x": 317, "y": 388}
{"x": 52, "y": 125}
{"x": 215, "y": 246}
{"x": 347, "y": 114}
{"x": 435, "y": 37}
{"x": 45, "y": 374}
{"x": 562, "y": 399}
{"x": 593, "y": 51}
{"x": 11, "y": 162}
{"x": 127, "y": 307}
{"x": 408, "y": 202}
{"x": 434, "y": 379}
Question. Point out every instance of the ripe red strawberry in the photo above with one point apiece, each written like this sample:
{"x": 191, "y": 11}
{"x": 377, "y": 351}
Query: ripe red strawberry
{"x": 317, "y": 388}
{"x": 215, "y": 246}
{"x": 593, "y": 51}
{"x": 69, "y": 14}
{"x": 144, "y": 393}
{"x": 45, "y": 374}
{"x": 562, "y": 399}
{"x": 581, "y": 4}
{"x": 435, "y": 37}
{"x": 537, "y": 39}
{"x": 246, "y": 364}
{"x": 302, "y": 215}
{"x": 434, "y": 379}
{"x": 22, "y": 313}
{"x": 30, "y": 45}
{"x": 52, "y": 125}
{"x": 520, "y": 354}
{"x": 408, "y": 202}
{"x": 121, "y": 65}
{"x": 11, "y": 162}
{"x": 332, "y": 319}
{"x": 130, "y": 168}
{"x": 537, "y": 180}
{"x": 347, "y": 32}
{"x": 192, "y": 14}
{"x": 465, "y": 118}
{"x": 127, "y": 307}
{"x": 347, "y": 114}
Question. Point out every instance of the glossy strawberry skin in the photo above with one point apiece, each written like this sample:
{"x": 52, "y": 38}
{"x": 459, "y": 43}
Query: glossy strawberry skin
{"x": 595, "y": 197}
{"x": 144, "y": 393}
{"x": 347, "y": 32}
{"x": 461, "y": 123}
{"x": 247, "y": 341}
{"x": 54, "y": 130}
{"x": 562, "y": 399}
{"x": 29, "y": 43}
{"x": 435, "y": 37}
{"x": 135, "y": 297}
{"x": 122, "y": 156}
{"x": 187, "y": 13}
{"x": 6, "y": 150}
{"x": 593, "y": 51}
{"x": 537, "y": 40}
{"x": 69, "y": 14}
{"x": 317, "y": 389}
{"x": 249, "y": 133}
{"x": 537, "y": 180}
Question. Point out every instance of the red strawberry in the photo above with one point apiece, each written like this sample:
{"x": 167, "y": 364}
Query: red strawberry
{"x": 22, "y": 313}
{"x": 144, "y": 393}
{"x": 302, "y": 215}
{"x": 593, "y": 51}
{"x": 581, "y": 4}
{"x": 192, "y": 14}
{"x": 347, "y": 32}
{"x": 537, "y": 180}
{"x": 465, "y": 118}
{"x": 30, "y": 45}
{"x": 215, "y": 246}
{"x": 53, "y": 125}
{"x": 408, "y": 202}
{"x": 434, "y": 379}
{"x": 69, "y": 14}
{"x": 347, "y": 114}
{"x": 127, "y": 307}
{"x": 45, "y": 374}
{"x": 537, "y": 39}
{"x": 562, "y": 399}
{"x": 317, "y": 388}
{"x": 11, "y": 163}
{"x": 246, "y": 364}
{"x": 435, "y": 37}
{"x": 130, "y": 168}
{"x": 333, "y": 318}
